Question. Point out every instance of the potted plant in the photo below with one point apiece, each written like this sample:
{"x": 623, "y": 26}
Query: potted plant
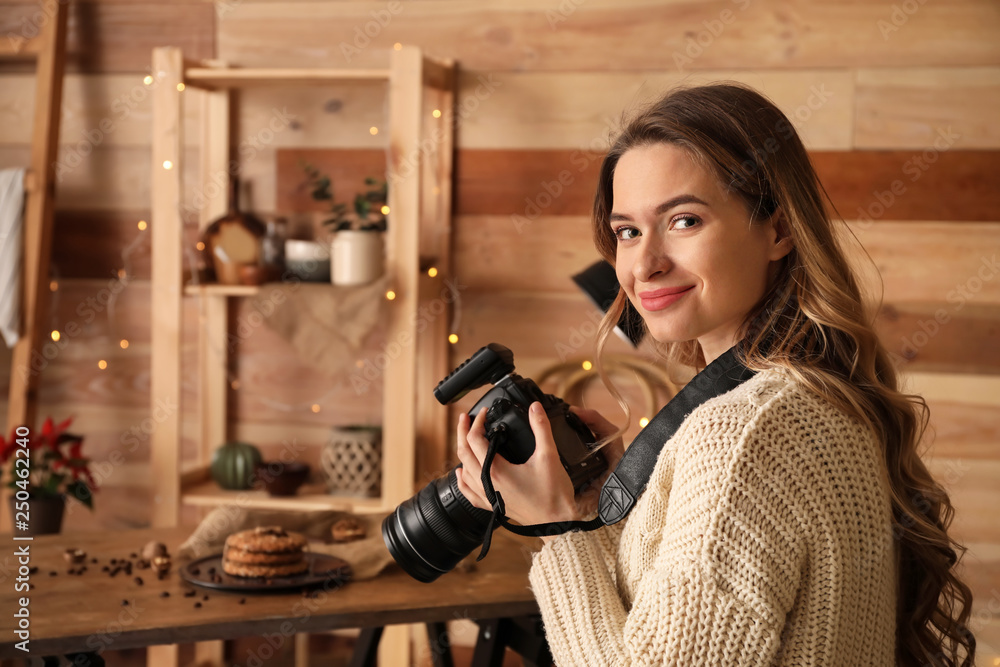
{"x": 356, "y": 251}
{"x": 56, "y": 470}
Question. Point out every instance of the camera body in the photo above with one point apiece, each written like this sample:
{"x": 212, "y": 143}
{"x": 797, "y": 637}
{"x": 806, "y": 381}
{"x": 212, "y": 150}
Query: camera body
{"x": 507, "y": 409}
{"x": 432, "y": 531}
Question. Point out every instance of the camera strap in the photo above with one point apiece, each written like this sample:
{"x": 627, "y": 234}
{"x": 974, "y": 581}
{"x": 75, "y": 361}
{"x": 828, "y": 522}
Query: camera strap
{"x": 629, "y": 479}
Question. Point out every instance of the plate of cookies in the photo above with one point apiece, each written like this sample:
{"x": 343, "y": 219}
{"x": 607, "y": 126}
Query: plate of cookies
{"x": 267, "y": 558}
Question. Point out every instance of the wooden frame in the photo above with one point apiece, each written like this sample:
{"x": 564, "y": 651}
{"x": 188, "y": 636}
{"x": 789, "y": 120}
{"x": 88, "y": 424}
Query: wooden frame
{"x": 423, "y": 357}
{"x": 49, "y": 51}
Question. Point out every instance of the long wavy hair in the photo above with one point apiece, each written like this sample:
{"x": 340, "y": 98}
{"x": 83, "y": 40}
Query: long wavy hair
{"x": 815, "y": 322}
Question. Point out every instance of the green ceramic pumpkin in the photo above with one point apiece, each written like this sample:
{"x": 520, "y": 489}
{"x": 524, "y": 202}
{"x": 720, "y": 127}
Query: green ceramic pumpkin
{"x": 234, "y": 465}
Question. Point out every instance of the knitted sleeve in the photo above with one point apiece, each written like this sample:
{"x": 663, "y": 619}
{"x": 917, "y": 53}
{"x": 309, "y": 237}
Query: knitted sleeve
{"x": 717, "y": 588}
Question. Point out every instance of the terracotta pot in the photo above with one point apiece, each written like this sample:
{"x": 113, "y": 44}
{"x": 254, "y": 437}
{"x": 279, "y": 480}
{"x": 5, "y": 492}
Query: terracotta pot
{"x": 44, "y": 515}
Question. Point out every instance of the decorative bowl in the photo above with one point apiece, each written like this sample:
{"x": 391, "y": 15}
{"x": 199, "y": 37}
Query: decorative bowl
{"x": 281, "y": 479}
{"x": 307, "y": 260}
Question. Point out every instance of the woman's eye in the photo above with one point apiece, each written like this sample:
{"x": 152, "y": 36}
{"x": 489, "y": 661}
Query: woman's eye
{"x": 626, "y": 233}
{"x": 679, "y": 222}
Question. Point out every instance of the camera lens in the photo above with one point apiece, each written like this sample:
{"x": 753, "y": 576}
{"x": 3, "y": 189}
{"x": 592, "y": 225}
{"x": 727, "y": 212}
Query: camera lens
{"x": 432, "y": 531}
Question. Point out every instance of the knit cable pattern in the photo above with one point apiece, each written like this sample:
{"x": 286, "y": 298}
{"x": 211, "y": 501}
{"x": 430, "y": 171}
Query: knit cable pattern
{"x": 763, "y": 538}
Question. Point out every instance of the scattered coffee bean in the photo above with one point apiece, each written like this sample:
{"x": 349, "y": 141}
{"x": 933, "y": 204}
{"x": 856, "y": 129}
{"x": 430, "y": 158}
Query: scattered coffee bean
{"x": 138, "y": 581}
{"x": 165, "y": 594}
{"x": 114, "y": 561}
{"x": 133, "y": 555}
{"x": 211, "y": 570}
{"x": 205, "y": 598}
{"x": 105, "y": 569}
{"x": 197, "y": 604}
{"x": 190, "y": 594}
{"x": 195, "y": 571}
{"x": 94, "y": 561}
{"x": 243, "y": 600}
{"x": 124, "y": 603}
{"x": 33, "y": 570}
{"x": 53, "y": 574}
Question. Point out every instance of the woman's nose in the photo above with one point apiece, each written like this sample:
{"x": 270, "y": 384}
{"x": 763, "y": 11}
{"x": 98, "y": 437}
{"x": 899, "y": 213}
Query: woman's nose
{"x": 650, "y": 262}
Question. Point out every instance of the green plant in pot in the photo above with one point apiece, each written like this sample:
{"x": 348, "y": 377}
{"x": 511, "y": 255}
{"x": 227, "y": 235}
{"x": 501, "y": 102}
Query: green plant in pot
{"x": 357, "y": 254}
{"x": 234, "y": 464}
{"x": 45, "y": 467}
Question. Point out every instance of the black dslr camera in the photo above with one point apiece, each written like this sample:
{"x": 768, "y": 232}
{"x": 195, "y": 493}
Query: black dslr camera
{"x": 431, "y": 532}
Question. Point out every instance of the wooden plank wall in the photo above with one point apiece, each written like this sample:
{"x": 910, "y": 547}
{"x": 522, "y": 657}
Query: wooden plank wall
{"x": 882, "y": 93}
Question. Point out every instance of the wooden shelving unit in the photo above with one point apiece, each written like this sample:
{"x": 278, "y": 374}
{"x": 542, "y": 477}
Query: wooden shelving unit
{"x": 419, "y": 230}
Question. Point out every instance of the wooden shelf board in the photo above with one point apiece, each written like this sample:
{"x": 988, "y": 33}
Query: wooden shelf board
{"x": 208, "y": 494}
{"x": 216, "y": 289}
{"x": 229, "y": 77}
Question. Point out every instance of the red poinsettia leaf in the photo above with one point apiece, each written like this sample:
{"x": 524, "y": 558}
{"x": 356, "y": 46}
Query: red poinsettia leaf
{"x": 74, "y": 449}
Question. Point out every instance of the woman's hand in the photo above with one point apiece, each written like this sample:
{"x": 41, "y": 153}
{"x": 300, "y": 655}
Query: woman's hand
{"x": 539, "y": 490}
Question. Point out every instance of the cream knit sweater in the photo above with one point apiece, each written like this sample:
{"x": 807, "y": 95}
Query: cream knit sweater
{"x": 763, "y": 538}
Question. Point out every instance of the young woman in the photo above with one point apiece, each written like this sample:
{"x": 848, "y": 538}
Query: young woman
{"x": 790, "y": 520}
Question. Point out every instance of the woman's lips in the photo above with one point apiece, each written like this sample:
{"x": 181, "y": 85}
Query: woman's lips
{"x": 661, "y": 298}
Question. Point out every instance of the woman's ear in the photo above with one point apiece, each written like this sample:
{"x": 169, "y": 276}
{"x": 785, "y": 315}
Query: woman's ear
{"x": 783, "y": 242}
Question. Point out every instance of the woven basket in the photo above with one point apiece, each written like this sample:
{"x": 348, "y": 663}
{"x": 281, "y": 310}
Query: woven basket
{"x": 352, "y": 461}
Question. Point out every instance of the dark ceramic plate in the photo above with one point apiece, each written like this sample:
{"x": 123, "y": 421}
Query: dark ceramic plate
{"x": 326, "y": 571}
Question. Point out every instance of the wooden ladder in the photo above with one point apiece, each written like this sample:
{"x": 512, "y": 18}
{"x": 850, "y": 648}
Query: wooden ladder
{"x": 48, "y": 49}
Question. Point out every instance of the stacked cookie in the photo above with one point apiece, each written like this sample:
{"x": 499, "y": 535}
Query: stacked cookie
{"x": 267, "y": 551}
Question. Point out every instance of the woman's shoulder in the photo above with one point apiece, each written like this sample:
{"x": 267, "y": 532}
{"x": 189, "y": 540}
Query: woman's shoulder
{"x": 773, "y": 403}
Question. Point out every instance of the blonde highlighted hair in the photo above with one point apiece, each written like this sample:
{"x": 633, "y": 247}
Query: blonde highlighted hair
{"x": 815, "y": 323}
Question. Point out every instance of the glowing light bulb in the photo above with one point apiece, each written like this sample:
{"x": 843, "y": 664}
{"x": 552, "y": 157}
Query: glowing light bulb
{"x": 315, "y": 407}
{"x": 148, "y": 80}
{"x": 385, "y": 210}
{"x": 397, "y": 46}
{"x": 180, "y": 87}
{"x": 123, "y": 343}
{"x": 587, "y": 365}
{"x": 55, "y": 335}
{"x": 373, "y": 130}
{"x": 200, "y": 245}
{"x": 142, "y": 225}
{"x": 643, "y": 422}
{"x": 436, "y": 113}
{"x": 390, "y": 295}
{"x": 432, "y": 271}
{"x": 102, "y": 364}
{"x": 453, "y": 338}
{"x": 167, "y": 164}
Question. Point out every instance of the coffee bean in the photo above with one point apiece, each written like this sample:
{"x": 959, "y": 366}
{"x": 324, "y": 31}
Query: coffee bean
{"x": 138, "y": 581}
{"x": 124, "y": 603}
{"x": 165, "y": 594}
{"x": 197, "y": 604}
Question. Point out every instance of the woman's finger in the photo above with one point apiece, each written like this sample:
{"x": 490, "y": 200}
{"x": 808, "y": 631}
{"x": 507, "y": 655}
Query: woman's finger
{"x": 473, "y": 495}
{"x": 594, "y": 420}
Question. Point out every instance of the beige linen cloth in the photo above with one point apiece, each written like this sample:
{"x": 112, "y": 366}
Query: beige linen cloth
{"x": 367, "y": 557}
{"x": 326, "y": 325}
{"x": 11, "y": 241}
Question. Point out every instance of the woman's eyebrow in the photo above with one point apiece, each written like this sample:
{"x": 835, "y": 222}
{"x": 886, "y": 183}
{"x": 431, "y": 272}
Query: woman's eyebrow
{"x": 673, "y": 202}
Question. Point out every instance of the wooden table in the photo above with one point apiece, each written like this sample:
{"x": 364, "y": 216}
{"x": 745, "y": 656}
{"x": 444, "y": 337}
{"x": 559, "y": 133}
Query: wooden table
{"x": 93, "y": 612}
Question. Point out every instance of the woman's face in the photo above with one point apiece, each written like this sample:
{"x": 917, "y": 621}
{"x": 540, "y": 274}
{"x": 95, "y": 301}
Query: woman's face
{"x": 688, "y": 258}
